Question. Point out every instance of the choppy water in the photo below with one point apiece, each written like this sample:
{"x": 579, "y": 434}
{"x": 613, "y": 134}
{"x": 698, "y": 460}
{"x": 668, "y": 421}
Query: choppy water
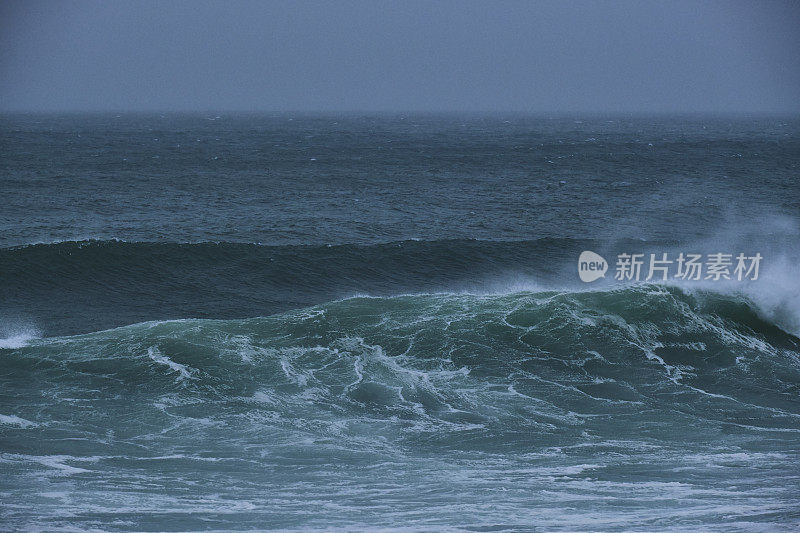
{"x": 331, "y": 322}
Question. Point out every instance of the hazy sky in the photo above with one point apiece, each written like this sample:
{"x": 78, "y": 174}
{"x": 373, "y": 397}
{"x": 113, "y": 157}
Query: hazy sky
{"x": 629, "y": 56}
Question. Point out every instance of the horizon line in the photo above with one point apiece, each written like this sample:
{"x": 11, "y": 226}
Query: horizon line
{"x": 394, "y": 112}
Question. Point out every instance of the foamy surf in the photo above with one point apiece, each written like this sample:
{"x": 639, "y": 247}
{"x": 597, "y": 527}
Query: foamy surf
{"x": 17, "y": 340}
{"x": 566, "y": 398}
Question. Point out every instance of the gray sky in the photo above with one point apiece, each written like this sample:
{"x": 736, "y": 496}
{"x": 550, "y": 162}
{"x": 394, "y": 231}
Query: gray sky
{"x": 627, "y": 56}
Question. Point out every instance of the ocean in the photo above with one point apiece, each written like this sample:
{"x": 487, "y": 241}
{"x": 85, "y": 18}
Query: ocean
{"x": 226, "y": 322}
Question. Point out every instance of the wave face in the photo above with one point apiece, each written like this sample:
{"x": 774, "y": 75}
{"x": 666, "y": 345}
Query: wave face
{"x": 72, "y": 287}
{"x": 426, "y": 410}
{"x": 76, "y": 287}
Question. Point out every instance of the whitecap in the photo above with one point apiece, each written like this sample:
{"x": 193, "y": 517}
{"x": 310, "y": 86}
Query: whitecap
{"x": 13, "y": 420}
{"x": 16, "y": 341}
{"x": 156, "y": 356}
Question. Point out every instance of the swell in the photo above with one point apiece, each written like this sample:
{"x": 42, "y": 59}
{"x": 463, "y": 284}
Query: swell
{"x": 73, "y": 287}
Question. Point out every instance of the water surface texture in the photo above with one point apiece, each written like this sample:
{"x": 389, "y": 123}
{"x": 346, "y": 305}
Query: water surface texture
{"x": 312, "y": 322}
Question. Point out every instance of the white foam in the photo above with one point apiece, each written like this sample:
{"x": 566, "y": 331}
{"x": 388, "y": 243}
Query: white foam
{"x": 16, "y": 341}
{"x": 156, "y": 356}
{"x": 17, "y": 336}
{"x": 776, "y": 292}
{"x": 13, "y": 420}
{"x": 56, "y": 462}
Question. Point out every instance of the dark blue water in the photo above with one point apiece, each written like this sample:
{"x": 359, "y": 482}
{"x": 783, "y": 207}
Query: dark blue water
{"x": 276, "y": 322}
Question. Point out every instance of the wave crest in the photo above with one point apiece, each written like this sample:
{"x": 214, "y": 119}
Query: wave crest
{"x": 454, "y": 362}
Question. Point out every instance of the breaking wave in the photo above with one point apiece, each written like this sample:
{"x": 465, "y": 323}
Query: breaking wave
{"x": 525, "y": 362}
{"x": 681, "y": 402}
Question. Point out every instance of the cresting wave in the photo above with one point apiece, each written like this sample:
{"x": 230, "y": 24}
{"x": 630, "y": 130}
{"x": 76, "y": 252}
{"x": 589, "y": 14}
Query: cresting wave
{"x": 685, "y": 404}
{"x": 77, "y": 287}
{"x": 439, "y": 384}
{"x": 682, "y": 402}
{"x": 456, "y": 362}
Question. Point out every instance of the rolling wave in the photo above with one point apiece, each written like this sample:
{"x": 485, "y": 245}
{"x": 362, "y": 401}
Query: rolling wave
{"x": 682, "y": 402}
{"x": 74, "y": 287}
{"x": 452, "y": 362}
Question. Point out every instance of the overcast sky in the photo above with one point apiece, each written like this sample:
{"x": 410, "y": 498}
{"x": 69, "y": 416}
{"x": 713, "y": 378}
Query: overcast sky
{"x": 527, "y": 56}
